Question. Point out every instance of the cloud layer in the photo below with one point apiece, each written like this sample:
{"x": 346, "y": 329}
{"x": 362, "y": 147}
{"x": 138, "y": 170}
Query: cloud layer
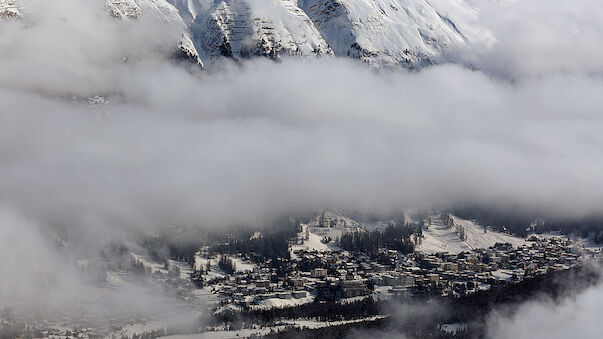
{"x": 272, "y": 138}
{"x": 577, "y": 317}
{"x": 540, "y": 37}
{"x": 245, "y": 143}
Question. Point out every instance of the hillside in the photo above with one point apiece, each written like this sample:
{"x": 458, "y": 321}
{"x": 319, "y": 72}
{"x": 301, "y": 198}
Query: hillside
{"x": 163, "y": 13}
{"x": 408, "y": 32}
{"x": 440, "y": 238}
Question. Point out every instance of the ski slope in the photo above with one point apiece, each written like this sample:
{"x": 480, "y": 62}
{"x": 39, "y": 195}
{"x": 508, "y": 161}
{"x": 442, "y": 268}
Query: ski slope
{"x": 439, "y": 238}
{"x": 327, "y": 224}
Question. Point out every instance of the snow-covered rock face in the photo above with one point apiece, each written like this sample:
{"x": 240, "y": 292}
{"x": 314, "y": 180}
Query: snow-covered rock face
{"x": 165, "y": 13}
{"x": 190, "y": 9}
{"x": 412, "y": 33}
{"x": 409, "y": 32}
{"x": 123, "y": 9}
{"x": 10, "y": 9}
{"x": 246, "y": 28}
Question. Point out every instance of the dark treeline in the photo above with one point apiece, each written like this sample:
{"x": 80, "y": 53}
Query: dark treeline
{"x": 522, "y": 223}
{"x": 386, "y": 327}
{"x": 333, "y": 331}
{"x": 227, "y": 265}
{"x": 181, "y": 243}
{"x": 177, "y": 243}
{"x": 272, "y": 244}
{"x": 321, "y": 311}
{"x": 396, "y": 236}
{"x": 499, "y": 220}
{"x": 585, "y": 227}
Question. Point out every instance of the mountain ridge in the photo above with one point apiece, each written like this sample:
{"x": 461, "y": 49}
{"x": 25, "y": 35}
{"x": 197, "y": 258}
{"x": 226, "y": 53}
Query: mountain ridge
{"x": 408, "y": 33}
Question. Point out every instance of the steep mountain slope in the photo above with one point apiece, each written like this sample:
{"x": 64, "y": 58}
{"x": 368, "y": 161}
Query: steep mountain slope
{"x": 410, "y": 32}
{"x": 165, "y": 14}
{"x": 190, "y": 9}
{"x": 245, "y": 28}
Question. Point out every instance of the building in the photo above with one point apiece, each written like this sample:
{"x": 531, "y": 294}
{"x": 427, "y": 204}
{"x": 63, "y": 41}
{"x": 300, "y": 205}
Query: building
{"x": 319, "y": 273}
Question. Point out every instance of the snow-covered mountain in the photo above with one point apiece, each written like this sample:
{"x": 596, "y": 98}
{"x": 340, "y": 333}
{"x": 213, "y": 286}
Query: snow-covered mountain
{"x": 246, "y": 28}
{"x": 165, "y": 13}
{"x": 382, "y": 32}
{"x": 411, "y": 33}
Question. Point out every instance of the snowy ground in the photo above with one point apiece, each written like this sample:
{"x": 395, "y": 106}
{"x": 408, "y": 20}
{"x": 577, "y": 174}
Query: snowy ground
{"x": 584, "y": 242}
{"x": 245, "y": 333}
{"x": 276, "y": 302}
{"x": 439, "y": 238}
{"x": 114, "y": 279}
{"x": 313, "y": 242}
{"x": 242, "y": 266}
{"x": 328, "y": 224}
{"x": 148, "y": 262}
{"x": 185, "y": 269}
{"x": 215, "y": 271}
{"x": 139, "y": 328}
{"x": 155, "y": 267}
{"x": 375, "y": 226}
{"x": 319, "y": 324}
{"x": 505, "y": 275}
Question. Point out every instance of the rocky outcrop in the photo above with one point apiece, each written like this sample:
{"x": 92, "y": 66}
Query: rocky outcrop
{"x": 409, "y": 32}
{"x": 10, "y": 9}
{"x": 270, "y": 28}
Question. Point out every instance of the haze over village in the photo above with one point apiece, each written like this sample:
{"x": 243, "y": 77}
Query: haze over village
{"x": 301, "y": 169}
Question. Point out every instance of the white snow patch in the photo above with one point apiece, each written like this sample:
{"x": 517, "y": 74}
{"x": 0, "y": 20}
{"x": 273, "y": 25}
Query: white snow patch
{"x": 242, "y": 266}
{"x": 280, "y": 303}
{"x": 505, "y": 275}
{"x": 10, "y": 9}
{"x": 439, "y": 238}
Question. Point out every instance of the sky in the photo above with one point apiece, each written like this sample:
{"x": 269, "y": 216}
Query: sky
{"x": 245, "y": 143}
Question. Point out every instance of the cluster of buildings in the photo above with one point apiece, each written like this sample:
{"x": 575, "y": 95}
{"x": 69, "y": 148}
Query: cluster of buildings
{"x": 21, "y": 328}
{"x": 337, "y": 275}
{"x": 468, "y": 272}
{"x": 341, "y": 276}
